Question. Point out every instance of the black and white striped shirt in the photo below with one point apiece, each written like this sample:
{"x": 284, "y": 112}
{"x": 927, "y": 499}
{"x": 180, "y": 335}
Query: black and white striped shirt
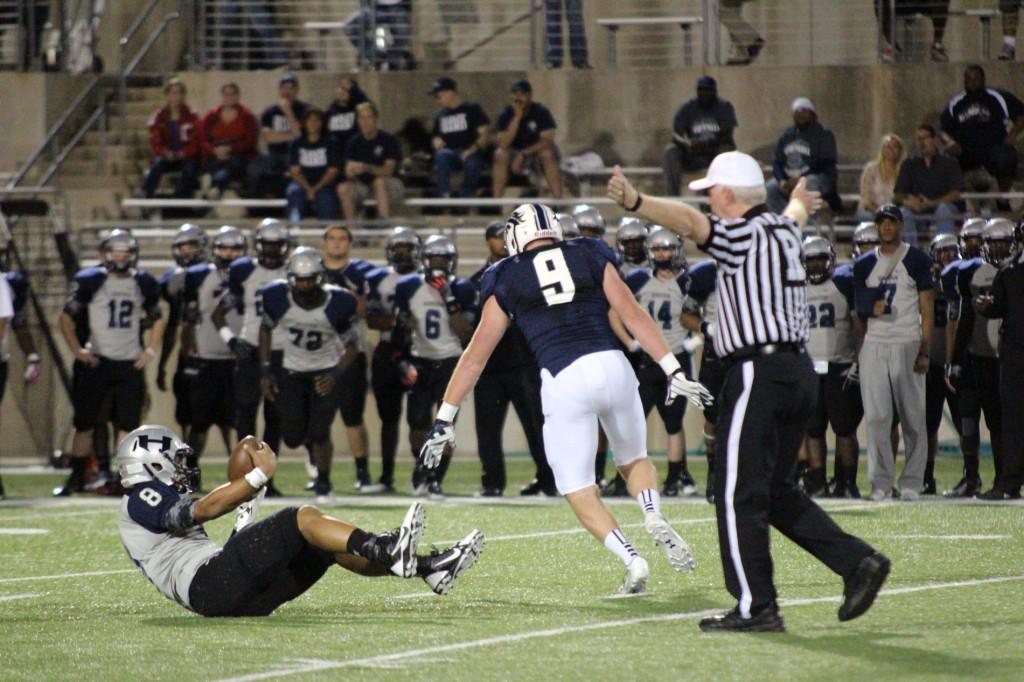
{"x": 761, "y": 281}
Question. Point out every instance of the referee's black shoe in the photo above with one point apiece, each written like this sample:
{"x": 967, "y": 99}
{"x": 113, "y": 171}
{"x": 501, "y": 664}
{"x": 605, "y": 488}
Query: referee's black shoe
{"x": 767, "y": 619}
{"x": 863, "y": 586}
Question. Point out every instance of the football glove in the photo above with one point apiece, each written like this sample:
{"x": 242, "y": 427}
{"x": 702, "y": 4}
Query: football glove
{"x": 694, "y": 391}
{"x": 440, "y": 440}
{"x": 32, "y": 368}
{"x": 243, "y": 350}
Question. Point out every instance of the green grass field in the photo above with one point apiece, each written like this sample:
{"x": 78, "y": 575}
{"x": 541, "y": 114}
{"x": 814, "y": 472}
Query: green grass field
{"x": 536, "y": 606}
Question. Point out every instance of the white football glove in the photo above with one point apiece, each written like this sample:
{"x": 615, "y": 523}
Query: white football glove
{"x": 32, "y": 371}
{"x": 440, "y": 439}
{"x": 694, "y": 391}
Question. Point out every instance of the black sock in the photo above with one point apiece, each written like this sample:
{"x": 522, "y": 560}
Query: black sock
{"x": 600, "y": 464}
{"x": 929, "y": 470}
{"x": 675, "y": 471}
{"x": 323, "y": 477}
{"x": 363, "y": 468}
{"x": 78, "y": 466}
{"x": 971, "y": 465}
{"x": 423, "y": 566}
{"x": 850, "y": 475}
{"x": 364, "y": 544}
{"x": 441, "y": 469}
{"x": 387, "y": 470}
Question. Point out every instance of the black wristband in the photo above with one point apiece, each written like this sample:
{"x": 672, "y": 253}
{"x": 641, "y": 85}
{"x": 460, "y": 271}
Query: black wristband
{"x": 266, "y": 370}
{"x": 639, "y": 201}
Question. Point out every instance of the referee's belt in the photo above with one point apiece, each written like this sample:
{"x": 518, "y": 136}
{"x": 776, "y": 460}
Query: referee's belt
{"x": 766, "y": 349}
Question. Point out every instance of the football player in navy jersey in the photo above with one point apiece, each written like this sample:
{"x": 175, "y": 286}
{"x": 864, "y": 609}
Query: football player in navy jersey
{"x": 559, "y": 294}
{"x": 437, "y": 309}
{"x": 340, "y": 269}
{"x": 187, "y": 248}
{"x": 211, "y": 361}
{"x": 116, "y": 299}
{"x": 631, "y": 242}
{"x": 392, "y": 373}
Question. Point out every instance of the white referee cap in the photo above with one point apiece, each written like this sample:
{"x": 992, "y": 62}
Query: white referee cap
{"x": 734, "y": 169}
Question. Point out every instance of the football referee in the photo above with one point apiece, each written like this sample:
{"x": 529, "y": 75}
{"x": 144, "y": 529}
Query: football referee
{"x": 769, "y": 391}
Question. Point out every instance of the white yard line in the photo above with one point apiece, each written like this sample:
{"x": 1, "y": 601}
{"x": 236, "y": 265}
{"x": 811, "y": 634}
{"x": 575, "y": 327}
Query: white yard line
{"x": 62, "y": 576}
{"x": 13, "y": 597}
{"x": 24, "y": 531}
{"x": 300, "y": 666}
{"x": 922, "y": 536}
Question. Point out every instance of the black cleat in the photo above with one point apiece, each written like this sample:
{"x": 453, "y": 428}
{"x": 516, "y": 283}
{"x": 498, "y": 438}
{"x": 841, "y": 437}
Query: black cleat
{"x": 709, "y": 488}
{"x": 73, "y": 484}
{"x": 435, "y": 491}
{"x": 767, "y": 619}
{"x": 617, "y": 488}
{"x": 969, "y": 486}
{"x": 489, "y": 492}
{"x": 861, "y": 589}
{"x": 272, "y": 490}
{"x": 671, "y": 488}
{"x": 321, "y": 488}
{"x": 997, "y": 493}
{"x": 446, "y": 566}
{"x": 929, "y": 487}
{"x": 536, "y": 488}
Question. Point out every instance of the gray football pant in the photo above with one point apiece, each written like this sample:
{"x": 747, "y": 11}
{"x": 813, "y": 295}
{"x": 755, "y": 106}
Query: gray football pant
{"x": 888, "y": 380}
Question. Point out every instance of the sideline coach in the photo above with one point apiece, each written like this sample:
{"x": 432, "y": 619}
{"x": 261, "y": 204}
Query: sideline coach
{"x": 769, "y": 391}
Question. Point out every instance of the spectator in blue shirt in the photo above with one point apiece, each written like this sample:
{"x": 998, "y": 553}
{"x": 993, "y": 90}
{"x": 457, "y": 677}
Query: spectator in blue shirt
{"x": 372, "y": 157}
{"x": 806, "y": 150}
{"x": 313, "y": 165}
{"x": 280, "y": 124}
{"x": 459, "y": 136}
{"x": 701, "y": 130}
{"x": 526, "y": 134}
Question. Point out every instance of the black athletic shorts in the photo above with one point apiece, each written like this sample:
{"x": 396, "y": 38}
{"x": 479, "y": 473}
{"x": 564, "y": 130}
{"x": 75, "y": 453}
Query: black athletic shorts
{"x": 305, "y": 415}
{"x": 388, "y": 389}
{"x": 92, "y": 385}
{"x": 352, "y": 392}
{"x": 260, "y": 568}
{"x": 3, "y": 380}
{"x": 428, "y": 391}
{"x": 213, "y": 394}
{"x": 653, "y": 389}
{"x": 838, "y": 406}
{"x": 712, "y": 375}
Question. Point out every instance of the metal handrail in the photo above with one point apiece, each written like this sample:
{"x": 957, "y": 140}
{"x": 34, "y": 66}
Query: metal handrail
{"x": 483, "y": 42}
{"x": 127, "y": 71}
{"x": 136, "y": 25}
{"x": 59, "y": 161}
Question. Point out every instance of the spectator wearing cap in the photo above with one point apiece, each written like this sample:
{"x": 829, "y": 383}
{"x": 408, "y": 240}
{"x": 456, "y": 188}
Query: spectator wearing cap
{"x": 701, "y": 130}
{"x": 174, "y": 139}
{"x": 805, "y": 150}
{"x": 526, "y": 134}
{"x": 459, "y": 136}
{"x": 981, "y": 126}
{"x": 372, "y": 157}
{"x": 341, "y": 113}
{"x": 928, "y": 187}
{"x": 228, "y": 136}
{"x": 280, "y": 124}
{"x": 313, "y": 163}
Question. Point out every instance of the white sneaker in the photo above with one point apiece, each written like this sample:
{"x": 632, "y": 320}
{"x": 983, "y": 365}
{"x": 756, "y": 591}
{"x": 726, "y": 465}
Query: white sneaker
{"x": 373, "y": 489}
{"x": 678, "y": 553}
{"x": 637, "y": 573}
{"x": 879, "y": 495}
{"x": 448, "y": 565}
{"x": 403, "y": 553}
{"x": 908, "y": 495}
{"x": 246, "y": 513}
{"x": 419, "y": 490}
{"x": 311, "y": 471}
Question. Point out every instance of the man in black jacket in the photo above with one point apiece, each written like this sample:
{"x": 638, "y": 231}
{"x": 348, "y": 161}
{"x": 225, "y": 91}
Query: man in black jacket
{"x": 806, "y": 150}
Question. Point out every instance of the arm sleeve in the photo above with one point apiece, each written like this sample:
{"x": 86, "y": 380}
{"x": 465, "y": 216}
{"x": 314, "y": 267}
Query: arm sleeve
{"x": 149, "y": 504}
{"x": 843, "y": 279}
{"x": 341, "y": 310}
{"x": 636, "y": 280}
{"x": 863, "y": 296}
{"x": 503, "y": 119}
{"x": 465, "y": 294}
{"x": 150, "y": 295}
{"x": 275, "y": 303}
{"x": 947, "y": 123}
{"x": 83, "y": 287}
{"x": 293, "y": 152}
{"x": 480, "y": 116}
{"x": 729, "y": 121}
{"x": 247, "y": 144}
{"x": 489, "y": 287}
{"x": 545, "y": 121}
{"x": 919, "y": 265}
{"x": 1013, "y": 105}
{"x": 6, "y": 300}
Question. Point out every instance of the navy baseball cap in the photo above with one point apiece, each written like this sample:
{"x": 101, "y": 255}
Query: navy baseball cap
{"x": 495, "y": 230}
{"x": 889, "y": 212}
{"x": 442, "y": 83}
{"x": 521, "y": 85}
{"x": 706, "y": 83}
{"x": 288, "y": 78}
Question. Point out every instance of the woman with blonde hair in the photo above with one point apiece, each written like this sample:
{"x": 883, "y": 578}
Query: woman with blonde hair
{"x": 878, "y": 178}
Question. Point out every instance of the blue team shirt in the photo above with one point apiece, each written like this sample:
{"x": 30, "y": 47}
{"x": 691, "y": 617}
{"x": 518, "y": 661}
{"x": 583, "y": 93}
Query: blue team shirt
{"x": 555, "y": 295}
{"x": 352, "y": 276}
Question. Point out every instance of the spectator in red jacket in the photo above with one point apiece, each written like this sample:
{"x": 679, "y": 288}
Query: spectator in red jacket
{"x": 175, "y": 143}
{"x": 228, "y": 137}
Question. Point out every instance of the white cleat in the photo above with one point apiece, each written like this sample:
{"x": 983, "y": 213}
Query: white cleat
{"x": 403, "y": 553}
{"x": 675, "y": 548}
{"x": 637, "y": 573}
{"x": 448, "y": 565}
{"x": 246, "y": 514}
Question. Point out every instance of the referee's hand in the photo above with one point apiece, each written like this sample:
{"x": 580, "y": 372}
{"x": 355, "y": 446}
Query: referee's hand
{"x": 620, "y": 189}
{"x": 809, "y": 198}
{"x": 694, "y": 391}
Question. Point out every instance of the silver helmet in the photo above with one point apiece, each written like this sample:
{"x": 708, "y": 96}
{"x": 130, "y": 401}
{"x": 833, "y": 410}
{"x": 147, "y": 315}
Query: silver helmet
{"x": 156, "y": 453}
{"x": 439, "y": 247}
{"x": 189, "y": 234}
{"x": 305, "y": 263}
{"x": 1000, "y": 244}
{"x": 630, "y": 240}
{"x": 971, "y": 234}
{"x": 403, "y": 249}
{"x": 272, "y": 243}
{"x": 528, "y": 223}
{"x": 119, "y": 241}
{"x": 570, "y": 230}
{"x": 227, "y": 237}
{"x": 660, "y": 239}
{"x": 940, "y": 244}
{"x": 865, "y": 238}
{"x": 589, "y": 219}
{"x": 816, "y": 247}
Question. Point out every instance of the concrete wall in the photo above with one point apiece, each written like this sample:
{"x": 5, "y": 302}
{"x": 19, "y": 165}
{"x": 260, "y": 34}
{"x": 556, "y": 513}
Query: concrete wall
{"x": 32, "y": 103}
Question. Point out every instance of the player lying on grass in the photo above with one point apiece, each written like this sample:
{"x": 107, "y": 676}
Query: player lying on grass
{"x": 559, "y": 292}
{"x": 268, "y": 562}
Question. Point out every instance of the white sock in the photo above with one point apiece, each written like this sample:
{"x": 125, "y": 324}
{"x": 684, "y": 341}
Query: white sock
{"x": 618, "y": 545}
{"x": 650, "y": 501}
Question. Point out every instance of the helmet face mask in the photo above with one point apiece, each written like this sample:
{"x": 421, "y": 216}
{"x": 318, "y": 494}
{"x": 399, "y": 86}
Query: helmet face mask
{"x": 589, "y": 220}
{"x": 120, "y": 251}
{"x": 664, "y": 250}
{"x": 189, "y": 245}
{"x": 306, "y": 277}
{"x": 819, "y": 259}
{"x": 228, "y": 245}
{"x": 156, "y": 453}
{"x": 272, "y": 242}
{"x": 944, "y": 250}
{"x": 402, "y": 249}
{"x": 971, "y": 237}
{"x": 865, "y": 238}
{"x": 999, "y": 244}
{"x": 439, "y": 257}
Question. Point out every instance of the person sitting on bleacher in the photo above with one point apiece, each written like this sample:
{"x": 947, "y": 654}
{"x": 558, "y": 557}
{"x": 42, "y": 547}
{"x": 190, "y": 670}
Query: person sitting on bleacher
{"x": 371, "y": 162}
{"x": 805, "y": 150}
{"x": 878, "y": 178}
{"x": 175, "y": 143}
{"x": 228, "y": 137}
{"x": 313, "y": 164}
{"x": 459, "y": 136}
{"x": 280, "y": 124}
{"x": 341, "y": 113}
{"x": 928, "y": 187}
{"x": 526, "y": 135}
{"x": 701, "y": 130}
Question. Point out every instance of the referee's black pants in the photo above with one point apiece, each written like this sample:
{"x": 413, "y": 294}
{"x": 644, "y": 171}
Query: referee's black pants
{"x": 491, "y": 397}
{"x": 1011, "y": 385}
{"x": 766, "y": 404}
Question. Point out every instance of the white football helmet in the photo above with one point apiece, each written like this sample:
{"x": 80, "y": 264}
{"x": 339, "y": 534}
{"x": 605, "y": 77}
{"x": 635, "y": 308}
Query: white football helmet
{"x": 530, "y": 222}
{"x": 155, "y": 452}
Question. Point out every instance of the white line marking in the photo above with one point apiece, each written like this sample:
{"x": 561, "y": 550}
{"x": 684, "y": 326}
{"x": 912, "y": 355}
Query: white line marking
{"x": 922, "y": 536}
{"x": 62, "y": 576}
{"x": 15, "y": 518}
{"x": 414, "y": 595}
{"x": 24, "y": 531}
{"x": 627, "y": 596}
{"x": 12, "y": 597}
{"x": 413, "y": 654}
